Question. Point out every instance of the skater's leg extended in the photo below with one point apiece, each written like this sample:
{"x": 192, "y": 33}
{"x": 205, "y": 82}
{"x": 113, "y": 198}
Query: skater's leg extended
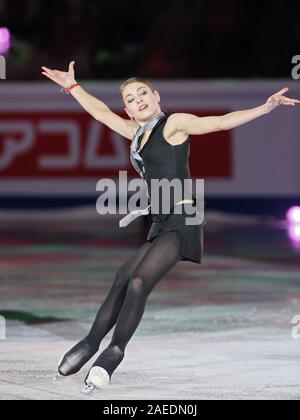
{"x": 111, "y": 307}
{"x": 162, "y": 255}
{"x": 105, "y": 319}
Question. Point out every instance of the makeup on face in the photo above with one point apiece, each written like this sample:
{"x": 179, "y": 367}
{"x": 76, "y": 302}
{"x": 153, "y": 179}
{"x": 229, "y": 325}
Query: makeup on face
{"x": 142, "y": 91}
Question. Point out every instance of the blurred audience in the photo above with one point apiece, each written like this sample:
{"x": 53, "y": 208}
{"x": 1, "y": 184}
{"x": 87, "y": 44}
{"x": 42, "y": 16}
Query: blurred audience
{"x": 157, "y": 39}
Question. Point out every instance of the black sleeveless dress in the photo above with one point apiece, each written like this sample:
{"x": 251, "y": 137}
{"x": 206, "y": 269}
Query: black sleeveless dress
{"x": 164, "y": 161}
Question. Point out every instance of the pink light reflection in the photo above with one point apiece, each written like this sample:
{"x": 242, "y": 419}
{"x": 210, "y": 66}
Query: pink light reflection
{"x": 4, "y": 40}
{"x": 294, "y": 233}
{"x": 293, "y": 214}
{"x": 4, "y": 35}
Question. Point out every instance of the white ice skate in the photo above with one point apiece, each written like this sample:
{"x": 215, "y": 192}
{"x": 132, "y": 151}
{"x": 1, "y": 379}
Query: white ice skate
{"x": 97, "y": 378}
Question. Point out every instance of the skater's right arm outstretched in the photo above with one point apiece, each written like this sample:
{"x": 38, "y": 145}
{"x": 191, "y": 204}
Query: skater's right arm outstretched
{"x": 98, "y": 109}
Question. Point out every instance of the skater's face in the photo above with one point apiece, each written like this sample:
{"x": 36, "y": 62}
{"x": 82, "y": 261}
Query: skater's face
{"x": 141, "y": 102}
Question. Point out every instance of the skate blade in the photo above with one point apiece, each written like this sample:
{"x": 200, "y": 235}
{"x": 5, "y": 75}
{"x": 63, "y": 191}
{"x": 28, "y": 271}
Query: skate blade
{"x": 88, "y": 389}
{"x": 57, "y": 378}
{"x": 98, "y": 379}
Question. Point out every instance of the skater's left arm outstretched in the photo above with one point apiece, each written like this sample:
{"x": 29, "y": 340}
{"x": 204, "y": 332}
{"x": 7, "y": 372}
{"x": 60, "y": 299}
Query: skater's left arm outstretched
{"x": 191, "y": 124}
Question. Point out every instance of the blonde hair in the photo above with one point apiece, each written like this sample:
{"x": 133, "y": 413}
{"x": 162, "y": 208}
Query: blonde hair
{"x": 134, "y": 80}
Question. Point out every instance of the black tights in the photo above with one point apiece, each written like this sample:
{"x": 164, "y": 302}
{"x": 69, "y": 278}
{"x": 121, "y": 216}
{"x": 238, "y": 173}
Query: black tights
{"x": 125, "y": 304}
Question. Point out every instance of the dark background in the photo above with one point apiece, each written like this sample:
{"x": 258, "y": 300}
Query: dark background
{"x": 157, "y": 39}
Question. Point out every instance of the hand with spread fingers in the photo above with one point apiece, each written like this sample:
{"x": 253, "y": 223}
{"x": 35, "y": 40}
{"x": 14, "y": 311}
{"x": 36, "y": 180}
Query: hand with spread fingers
{"x": 278, "y": 99}
{"x": 62, "y": 78}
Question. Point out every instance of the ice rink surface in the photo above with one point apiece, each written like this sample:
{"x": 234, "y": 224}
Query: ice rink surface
{"x": 219, "y": 330}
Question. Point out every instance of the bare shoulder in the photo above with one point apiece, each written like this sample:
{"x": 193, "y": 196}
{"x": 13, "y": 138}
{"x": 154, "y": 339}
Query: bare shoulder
{"x": 172, "y": 132}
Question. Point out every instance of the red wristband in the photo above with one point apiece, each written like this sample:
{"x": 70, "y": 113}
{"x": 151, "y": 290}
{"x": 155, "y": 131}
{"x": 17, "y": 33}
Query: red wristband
{"x": 68, "y": 89}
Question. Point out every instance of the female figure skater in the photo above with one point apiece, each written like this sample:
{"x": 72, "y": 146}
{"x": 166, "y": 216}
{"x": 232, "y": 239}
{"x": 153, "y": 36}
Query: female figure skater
{"x": 164, "y": 155}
